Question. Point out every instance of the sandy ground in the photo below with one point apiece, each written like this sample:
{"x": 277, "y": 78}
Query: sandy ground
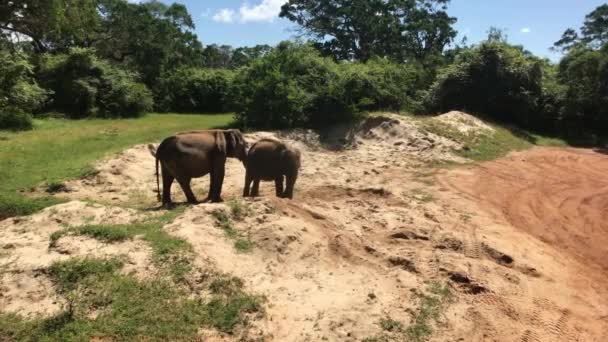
{"x": 520, "y": 240}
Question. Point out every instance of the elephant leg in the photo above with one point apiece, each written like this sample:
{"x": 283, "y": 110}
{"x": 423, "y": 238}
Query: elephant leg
{"x": 219, "y": 169}
{"x": 248, "y": 181}
{"x": 278, "y": 183}
{"x": 184, "y": 182}
{"x": 290, "y": 182}
{"x": 256, "y": 188}
{"x": 167, "y": 182}
{"x": 211, "y": 186}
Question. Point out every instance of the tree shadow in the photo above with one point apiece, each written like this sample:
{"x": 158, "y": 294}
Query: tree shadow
{"x": 602, "y": 150}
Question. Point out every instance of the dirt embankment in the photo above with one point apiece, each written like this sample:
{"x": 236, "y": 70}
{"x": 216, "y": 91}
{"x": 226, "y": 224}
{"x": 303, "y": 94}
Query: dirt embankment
{"x": 369, "y": 225}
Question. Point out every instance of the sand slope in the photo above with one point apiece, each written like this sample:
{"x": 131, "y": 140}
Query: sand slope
{"x": 368, "y": 224}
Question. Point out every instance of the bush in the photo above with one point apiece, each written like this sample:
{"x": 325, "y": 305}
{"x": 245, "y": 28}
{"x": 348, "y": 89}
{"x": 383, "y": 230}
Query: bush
{"x": 294, "y": 86}
{"x": 85, "y": 86}
{"x": 19, "y": 92}
{"x": 378, "y": 85}
{"x": 14, "y": 120}
{"x": 288, "y": 87}
{"x": 195, "y": 90}
{"x": 495, "y": 79}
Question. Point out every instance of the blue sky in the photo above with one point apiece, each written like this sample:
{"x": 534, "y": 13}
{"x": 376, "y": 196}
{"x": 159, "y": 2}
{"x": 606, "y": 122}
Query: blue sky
{"x": 536, "y": 24}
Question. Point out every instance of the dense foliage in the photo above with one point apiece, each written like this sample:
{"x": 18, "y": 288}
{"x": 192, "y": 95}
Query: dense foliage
{"x": 495, "y": 79}
{"x": 291, "y": 86}
{"x": 294, "y": 86}
{"x": 584, "y": 75}
{"x": 91, "y": 58}
{"x": 20, "y": 95}
{"x": 195, "y": 90}
{"x": 85, "y": 86}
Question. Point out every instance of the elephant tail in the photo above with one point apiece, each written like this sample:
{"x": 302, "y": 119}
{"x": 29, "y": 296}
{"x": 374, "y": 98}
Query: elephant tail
{"x": 157, "y": 180}
{"x": 152, "y": 150}
{"x": 154, "y": 154}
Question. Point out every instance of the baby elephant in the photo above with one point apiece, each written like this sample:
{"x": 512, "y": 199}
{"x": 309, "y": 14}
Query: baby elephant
{"x": 271, "y": 160}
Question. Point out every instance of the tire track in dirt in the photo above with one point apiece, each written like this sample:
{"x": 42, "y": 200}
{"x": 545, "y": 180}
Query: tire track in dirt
{"x": 558, "y": 195}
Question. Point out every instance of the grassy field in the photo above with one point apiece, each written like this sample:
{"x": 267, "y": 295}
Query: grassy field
{"x": 61, "y": 149}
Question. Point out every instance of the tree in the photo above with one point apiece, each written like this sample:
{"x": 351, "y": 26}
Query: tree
{"x": 217, "y": 56}
{"x": 150, "y": 37}
{"x": 496, "y": 79}
{"x": 244, "y": 55}
{"x": 593, "y": 33}
{"x": 50, "y": 25}
{"x": 584, "y": 74}
{"x": 361, "y": 29}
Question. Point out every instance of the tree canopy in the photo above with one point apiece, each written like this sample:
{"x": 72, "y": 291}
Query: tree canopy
{"x": 593, "y": 33}
{"x": 362, "y": 29}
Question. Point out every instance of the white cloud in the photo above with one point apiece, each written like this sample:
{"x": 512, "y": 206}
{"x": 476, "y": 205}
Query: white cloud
{"x": 225, "y": 15}
{"x": 267, "y": 10}
{"x": 525, "y": 30}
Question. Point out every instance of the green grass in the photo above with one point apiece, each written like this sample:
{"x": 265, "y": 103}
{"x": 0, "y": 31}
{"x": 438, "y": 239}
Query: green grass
{"x": 224, "y": 221}
{"x": 62, "y": 149}
{"x": 127, "y": 309}
{"x": 431, "y": 304}
{"x": 169, "y": 252}
{"x": 489, "y": 146}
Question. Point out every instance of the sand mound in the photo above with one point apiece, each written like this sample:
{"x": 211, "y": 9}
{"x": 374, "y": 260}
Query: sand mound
{"x": 403, "y": 134}
{"x": 464, "y": 123}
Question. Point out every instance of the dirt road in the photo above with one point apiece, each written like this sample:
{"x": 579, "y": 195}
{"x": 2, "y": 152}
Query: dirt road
{"x": 558, "y": 195}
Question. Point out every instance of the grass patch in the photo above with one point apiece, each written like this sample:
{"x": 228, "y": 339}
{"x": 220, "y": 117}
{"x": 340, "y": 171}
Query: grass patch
{"x": 108, "y": 305}
{"x": 169, "y": 252}
{"x": 431, "y": 304}
{"x": 488, "y": 146}
{"x": 65, "y": 149}
{"x": 224, "y": 221}
{"x": 243, "y": 245}
{"x": 238, "y": 209}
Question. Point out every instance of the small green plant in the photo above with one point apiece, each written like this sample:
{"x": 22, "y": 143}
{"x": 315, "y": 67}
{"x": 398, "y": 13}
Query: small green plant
{"x": 226, "y": 285}
{"x": 389, "y": 324}
{"x": 238, "y": 209}
{"x": 431, "y": 304}
{"x": 243, "y": 245}
{"x": 224, "y": 222}
{"x": 68, "y": 274}
{"x": 54, "y": 187}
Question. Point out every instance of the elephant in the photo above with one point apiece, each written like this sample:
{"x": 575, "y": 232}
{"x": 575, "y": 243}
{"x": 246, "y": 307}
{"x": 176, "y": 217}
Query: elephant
{"x": 194, "y": 154}
{"x": 271, "y": 160}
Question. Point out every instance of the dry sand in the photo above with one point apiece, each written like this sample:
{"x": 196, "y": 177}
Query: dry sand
{"x": 368, "y": 224}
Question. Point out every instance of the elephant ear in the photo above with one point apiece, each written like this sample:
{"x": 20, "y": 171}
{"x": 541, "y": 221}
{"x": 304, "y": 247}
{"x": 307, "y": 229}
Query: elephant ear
{"x": 235, "y": 139}
{"x": 220, "y": 141}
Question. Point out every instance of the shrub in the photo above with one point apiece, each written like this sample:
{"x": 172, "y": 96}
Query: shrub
{"x": 495, "y": 79}
{"x": 85, "y": 86}
{"x": 195, "y": 90}
{"x": 14, "y": 120}
{"x": 377, "y": 85}
{"x": 19, "y": 92}
{"x": 288, "y": 87}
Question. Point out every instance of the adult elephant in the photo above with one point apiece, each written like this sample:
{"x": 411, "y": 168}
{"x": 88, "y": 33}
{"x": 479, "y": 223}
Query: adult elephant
{"x": 272, "y": 160}
{"x": 194, "y": 154}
